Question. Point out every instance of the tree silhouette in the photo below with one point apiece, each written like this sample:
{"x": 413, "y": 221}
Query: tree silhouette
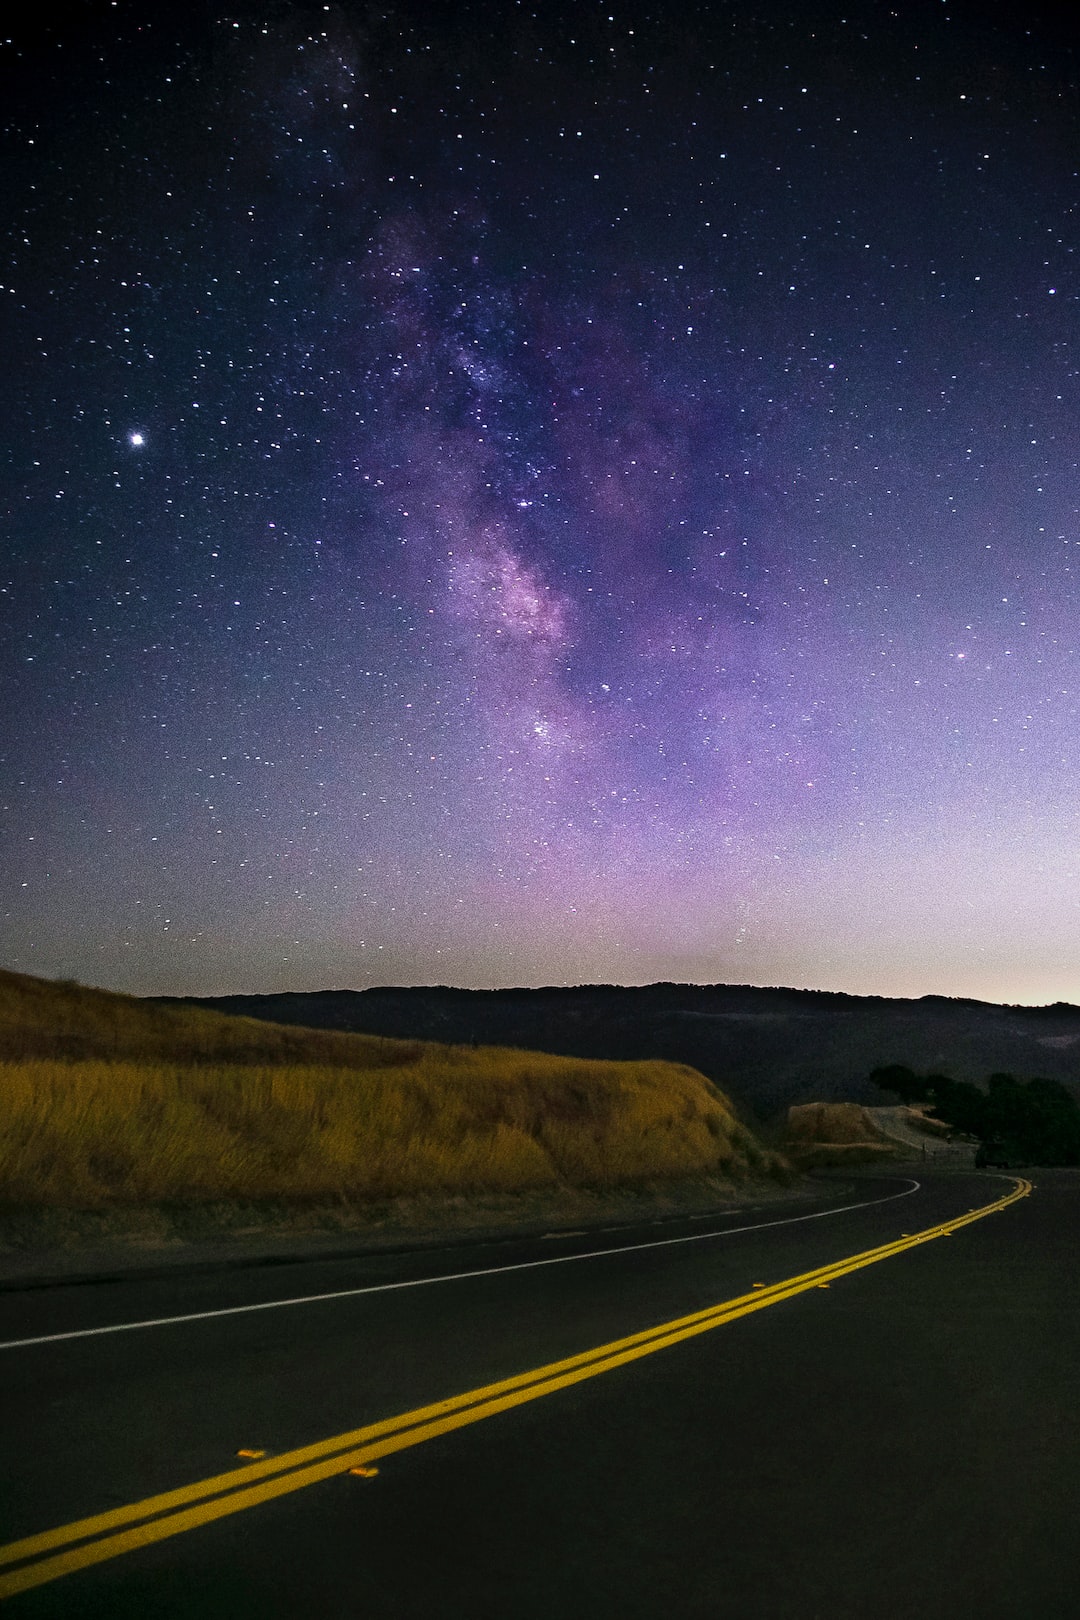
{"x": 1033, "y": 1121}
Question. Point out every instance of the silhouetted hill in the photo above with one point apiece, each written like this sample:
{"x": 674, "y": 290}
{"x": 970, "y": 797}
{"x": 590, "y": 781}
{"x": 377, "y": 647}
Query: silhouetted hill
{"x": 767, "y": 1048}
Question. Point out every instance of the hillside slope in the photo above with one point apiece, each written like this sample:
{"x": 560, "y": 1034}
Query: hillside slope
{"x": 767, "y": 1048}
{"x": 105, "y": 1100}
{"x": 828, "y": 1133}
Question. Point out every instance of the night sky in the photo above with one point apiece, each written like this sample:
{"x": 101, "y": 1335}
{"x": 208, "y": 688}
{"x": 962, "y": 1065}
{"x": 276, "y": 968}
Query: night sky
{"x": 514, "y": 495}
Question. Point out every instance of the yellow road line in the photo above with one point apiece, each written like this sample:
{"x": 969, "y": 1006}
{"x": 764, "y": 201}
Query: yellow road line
{"x": 58, "y": 1552}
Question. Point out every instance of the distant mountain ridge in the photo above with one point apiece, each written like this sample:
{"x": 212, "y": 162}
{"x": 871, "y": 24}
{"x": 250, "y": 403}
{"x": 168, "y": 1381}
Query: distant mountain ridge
{"x": 769, "y": 1048}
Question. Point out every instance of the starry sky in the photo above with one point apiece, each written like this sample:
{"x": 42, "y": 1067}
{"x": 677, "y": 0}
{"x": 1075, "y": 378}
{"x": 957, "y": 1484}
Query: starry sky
{"x": 514, "y": 494}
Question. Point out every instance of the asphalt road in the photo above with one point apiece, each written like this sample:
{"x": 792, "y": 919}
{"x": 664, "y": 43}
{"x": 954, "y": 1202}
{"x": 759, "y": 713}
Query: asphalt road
{"x": 901, "y": 1444}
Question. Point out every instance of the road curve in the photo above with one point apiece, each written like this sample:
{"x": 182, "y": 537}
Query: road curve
{"x": 885, "y": 1440}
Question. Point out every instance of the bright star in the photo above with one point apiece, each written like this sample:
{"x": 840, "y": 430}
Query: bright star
{"x": 137, "y": 440}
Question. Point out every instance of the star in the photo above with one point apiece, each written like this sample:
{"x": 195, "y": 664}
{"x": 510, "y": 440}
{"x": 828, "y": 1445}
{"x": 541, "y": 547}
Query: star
{"x": 581, "y": 543}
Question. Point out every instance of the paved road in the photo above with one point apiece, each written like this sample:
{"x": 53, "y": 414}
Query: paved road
{"x": 897, "y": 1123}
{"x": 900, "y": 1445}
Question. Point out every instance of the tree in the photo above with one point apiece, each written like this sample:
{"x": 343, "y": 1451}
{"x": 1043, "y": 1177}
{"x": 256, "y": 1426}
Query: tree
{"x": 1037, "y": 1121}
{"x": 908, "y": 1086}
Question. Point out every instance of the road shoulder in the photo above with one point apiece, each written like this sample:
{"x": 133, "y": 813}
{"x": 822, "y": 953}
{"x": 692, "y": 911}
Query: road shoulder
{"x": 37, "y": 1251}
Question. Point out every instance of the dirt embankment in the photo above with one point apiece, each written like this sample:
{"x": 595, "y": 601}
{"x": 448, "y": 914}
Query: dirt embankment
{"x": 822, "y": 1133}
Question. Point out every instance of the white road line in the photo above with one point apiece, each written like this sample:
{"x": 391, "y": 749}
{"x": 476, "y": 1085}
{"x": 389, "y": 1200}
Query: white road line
{"x": 452, "y": 1276}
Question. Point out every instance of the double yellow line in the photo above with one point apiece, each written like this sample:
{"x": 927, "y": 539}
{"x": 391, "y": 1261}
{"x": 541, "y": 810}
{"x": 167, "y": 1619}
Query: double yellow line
{"x": 37, "y": 1559}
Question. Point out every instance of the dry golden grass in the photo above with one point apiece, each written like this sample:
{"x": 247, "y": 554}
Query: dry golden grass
{"x": 820, "y": 1134}
{"x": 45, "y": 1019}
{"x": 144, "y": 1104}
{"x": 832, "y": 1122}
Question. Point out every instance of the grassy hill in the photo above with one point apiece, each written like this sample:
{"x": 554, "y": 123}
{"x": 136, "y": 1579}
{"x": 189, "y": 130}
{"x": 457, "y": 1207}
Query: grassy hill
{"x": 768, "y": 1048}
{"x": 823, "y": 1133}
{"x": 106, "y": 1100}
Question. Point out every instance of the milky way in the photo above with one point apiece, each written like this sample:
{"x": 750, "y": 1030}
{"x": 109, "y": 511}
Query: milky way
{"x": 509, "y": 497}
